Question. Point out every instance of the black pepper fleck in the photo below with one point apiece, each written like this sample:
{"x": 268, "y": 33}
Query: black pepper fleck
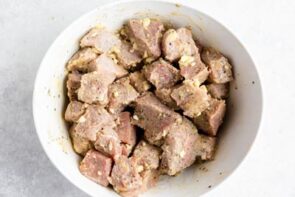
{"x": 209, "y": 186}
{"x": 253, "y": 82}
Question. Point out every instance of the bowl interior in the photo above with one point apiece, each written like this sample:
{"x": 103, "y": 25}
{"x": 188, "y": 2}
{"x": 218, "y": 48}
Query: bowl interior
{"x": 237, "y": 133}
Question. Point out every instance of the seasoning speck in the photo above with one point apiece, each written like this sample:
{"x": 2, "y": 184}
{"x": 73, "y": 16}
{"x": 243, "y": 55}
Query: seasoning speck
{"x": 209, "y": 186}
{"x": 253, "y": 82}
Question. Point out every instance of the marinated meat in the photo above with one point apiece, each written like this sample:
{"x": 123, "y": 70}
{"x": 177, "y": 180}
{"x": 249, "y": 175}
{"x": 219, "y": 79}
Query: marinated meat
{"x": 80, "y": 144}
{"x": 74, "y": 110}
{"x": 145, "y": 34}
{"x": 139, "y": 82}
{"x": 191, "y": 98}
{"x": 121, "y": 94}
{"x": 73, "y": 84}
{"x": 154, "y": 117}
{"x": 164, "y": 95}
{"x": 81, "y": 59}
{"x": 94, "y": 87}
{"x": 179, "y": 150}
{"x": 218, "y": 91}
{"x": 220, "y": 68}
{"x": 161, "y": 74}
{"x": 177, "y": 43}
{"x": 210, "y": 120}
{"x": 100, "y": 39}
{"x": 206, "y": 146}
{"x": 97, "y": 167}
{"x": 93, "y": 121}
{"x": 125, "y": 130}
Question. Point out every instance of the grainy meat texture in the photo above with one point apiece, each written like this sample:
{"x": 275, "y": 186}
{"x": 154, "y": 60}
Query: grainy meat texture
{"x": 139, "y": 82}
{"x": 97, "y": 167}
{"x": 108, "y": 66}
{"x": 193, "y": 99}
{"x": 74, "y": 110}
{"x": 192, "y": 68}
{"x": 164, "y": 95}
{"x": 125, "y": 130}
{"x": 145, "y": 34}
{"x": 94, "y": 87}
{"x": 127, "y": 56}
{"x": 179, "y": 148}
{"x": 108, "y": 142}
{"x": 73, "y": 84}
{"x": 218, "y": 91}
{"x": 81, "y": 59}
{"x": 93, "y": 121}
{"x": 210, "y": 120}
{"x": 205, "y": 147}
{"x": 220, "y": 68}
{"x": 121, "y": 94}
{"x": 80, "y": 144}
{"x": 100, "y": 39}
{"x": 176, "y": 43}
{"x": 161, "y": 74}
{"x": 154, "y": 117}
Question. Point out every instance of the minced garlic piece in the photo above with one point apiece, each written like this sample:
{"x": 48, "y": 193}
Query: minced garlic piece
{"x": 99, "y": 173}
{"x": 182, "y": 153}
{"x": 135, "y": 117}
{"x": 110, "y": 146}
{"x": 116, "y": 94}
{"x": 82, "y": 119}
{"x": 185, "y": 60}
{"x": 172, "y": 36}
{"x": 139, "y": 168}
{"x": 146, "y": 22}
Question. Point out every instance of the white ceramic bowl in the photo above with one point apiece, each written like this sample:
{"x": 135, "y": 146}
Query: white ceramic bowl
{"x": 244, "y": 108}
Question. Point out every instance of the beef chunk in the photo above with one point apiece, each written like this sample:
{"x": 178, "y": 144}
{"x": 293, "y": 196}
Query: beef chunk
{"x": 127, "y": 56}
{"x": 74, "y": 110}
{"x": 178, "y": 43}
{"x": 108, "y": 142}
{"x": 146, "y": 156}
{"x": 192, "y": 68}
{"x": 153, "y": 116}
{"x": 206, "y": 147}
{"x": 220, "y": 69}
{"x": 106, "y": 65}
{"x": 124, "y": 176}
{"x": 73, "y": 84}
{"x": 94, "y": 120}
{"x": 97, "y": 167}
{"x": 101, "y": 39}
{"x": 145, "y": 34}
{"x": 121, "y": 94}
{"x": 139, "y": 82}
{"x": 81, "y": 59}
{"x": 94, "y": 87}
{"x": 125, "y": 130}
{"x": 191, "y": 98}
{"x": 179, "y": 150}
{"x": 164, "y": 95}
{"x": 80, "y": 144}
{"x": 161, "y": 74}
{"x": 218, "y": 91}
{"x": 210, "y": 120}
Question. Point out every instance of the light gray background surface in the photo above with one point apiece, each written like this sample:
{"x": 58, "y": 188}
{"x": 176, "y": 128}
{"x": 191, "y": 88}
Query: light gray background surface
{"x": 27, "y": 28}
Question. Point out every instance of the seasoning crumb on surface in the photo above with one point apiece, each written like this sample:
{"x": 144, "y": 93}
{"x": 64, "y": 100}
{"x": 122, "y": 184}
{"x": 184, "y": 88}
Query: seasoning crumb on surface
{"x": 209, "y": 186}
{"x": 253, "y": 82}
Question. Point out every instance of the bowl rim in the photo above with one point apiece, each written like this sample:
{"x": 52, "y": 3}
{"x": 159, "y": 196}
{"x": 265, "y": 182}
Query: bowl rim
{"x": 181, "y": 4}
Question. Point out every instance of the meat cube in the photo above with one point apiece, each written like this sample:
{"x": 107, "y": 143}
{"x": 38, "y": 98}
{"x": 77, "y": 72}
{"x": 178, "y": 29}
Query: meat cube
{"x": 121, "y": 94}
{"x": 218, "y": 91}
{"x": 161, "y": 74}
{"x": 146, "y": 156}
{"x": 176, "y": 43}
{"x": 124, "y": 176}
{"x": 206, "y": 146}
{"x": 101, "y": 39}
{"x": 210, "y": 119}
{"x": 191, "y": 98}
{"x": 97, "y": 167}
{"x": 145, "y": 34}
{"x": 81, "y": 59}
{"x": 179, "y": 150}
{"x": 153, "y": 116}
{"x": 139, "y": 82}
{"x": 73, "y": 84}
{"x": 220, "y": 68}
{"x": 106, "y": 65}
{"x": 92, "y": 121}
{"x": 127, "y": 56}
{"x": 108, "y": 142}
{"x": 94, "y": 87}
{"x": 192, "y": 68}
{"x": 164, "y": 95}
{"x": 125, "y": 130}
{"x": 80, "y": 144}
{"x": 74, "y": 110}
